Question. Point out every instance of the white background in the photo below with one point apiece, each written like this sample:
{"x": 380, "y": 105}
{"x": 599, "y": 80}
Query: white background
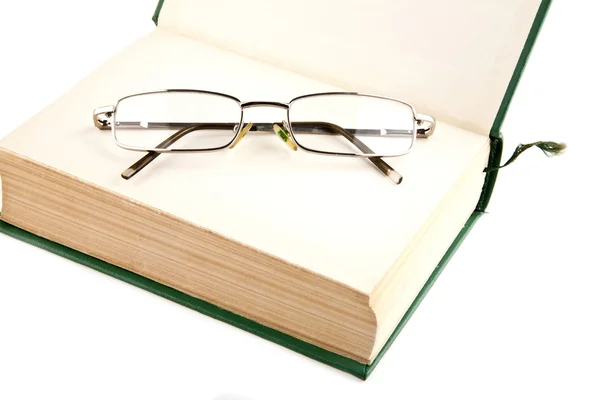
{"x": 514, "y": 315}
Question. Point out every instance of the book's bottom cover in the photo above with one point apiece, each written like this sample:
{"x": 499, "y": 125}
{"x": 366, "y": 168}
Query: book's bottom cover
{"x": 335, "y": 360}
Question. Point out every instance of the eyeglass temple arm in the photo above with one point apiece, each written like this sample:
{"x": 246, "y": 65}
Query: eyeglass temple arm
{"x": 136, "y": 167}
{"x": 103, "y": 116}
{"x": 151, "y": 155}
{"x": 427, "y": 125}
{"x": 426, "y": 121}
{"x": 381, "y": 165}
{"x": 102, "y": 121}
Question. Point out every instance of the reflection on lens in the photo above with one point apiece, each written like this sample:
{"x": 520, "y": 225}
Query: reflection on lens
{"x": 178, "y": 120}
{"x": 352, "y": 124}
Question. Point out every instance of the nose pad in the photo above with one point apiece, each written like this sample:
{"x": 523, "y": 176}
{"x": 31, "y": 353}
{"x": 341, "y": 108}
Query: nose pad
{"x": 245, "y": 130}
{"x": 284, "y": 134}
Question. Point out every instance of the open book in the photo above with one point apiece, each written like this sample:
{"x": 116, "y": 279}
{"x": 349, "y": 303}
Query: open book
{"x": 321, "y": 254}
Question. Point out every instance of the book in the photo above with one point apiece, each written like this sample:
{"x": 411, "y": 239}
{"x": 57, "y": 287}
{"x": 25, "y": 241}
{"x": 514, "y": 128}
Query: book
{"x": 322, "y": 255}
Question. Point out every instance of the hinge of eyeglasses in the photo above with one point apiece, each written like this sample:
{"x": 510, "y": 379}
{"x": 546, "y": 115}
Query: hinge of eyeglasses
{"x": 103, "y": 117}
{"x": 428, "y": 125}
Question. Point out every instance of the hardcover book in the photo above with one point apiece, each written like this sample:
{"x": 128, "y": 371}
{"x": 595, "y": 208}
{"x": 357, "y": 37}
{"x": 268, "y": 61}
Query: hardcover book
{"x": 322, "y": 255}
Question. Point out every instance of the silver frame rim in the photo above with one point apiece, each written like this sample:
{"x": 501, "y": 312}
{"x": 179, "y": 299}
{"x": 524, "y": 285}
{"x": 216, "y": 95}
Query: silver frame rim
{"x": 250, "y": 104}
{"x": 143, "y": 149}
{"x": 329, "y": 153}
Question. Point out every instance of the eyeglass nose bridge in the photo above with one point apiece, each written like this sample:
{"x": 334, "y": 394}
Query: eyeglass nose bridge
{"x": 274, "y": 104}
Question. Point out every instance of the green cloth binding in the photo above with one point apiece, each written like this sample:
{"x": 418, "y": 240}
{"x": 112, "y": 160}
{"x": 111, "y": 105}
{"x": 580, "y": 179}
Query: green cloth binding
{"x": 157, "y": 11}
{"x": 496, "y": 143}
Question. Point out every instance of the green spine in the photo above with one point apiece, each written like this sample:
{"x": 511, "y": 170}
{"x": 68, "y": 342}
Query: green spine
{"x": 157, "y": 11}
{"x": 495, "y": 133}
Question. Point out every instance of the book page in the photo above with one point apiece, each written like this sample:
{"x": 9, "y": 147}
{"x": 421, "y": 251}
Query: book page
{"x": 336, "y": 216}
{"x": 453, "y": 59}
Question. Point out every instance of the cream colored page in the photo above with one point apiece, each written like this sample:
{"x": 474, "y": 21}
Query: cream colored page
{"x": 453, "y": 58}
{"x": 338, "y": 217}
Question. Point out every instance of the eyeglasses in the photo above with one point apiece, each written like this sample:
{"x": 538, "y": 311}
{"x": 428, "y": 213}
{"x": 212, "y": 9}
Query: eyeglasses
{"x": 335, "y": 124}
